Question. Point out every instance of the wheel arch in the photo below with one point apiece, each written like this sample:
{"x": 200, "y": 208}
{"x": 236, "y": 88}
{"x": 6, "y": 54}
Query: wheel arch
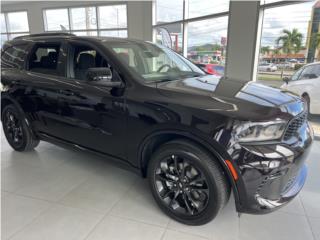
{"x": 154, "y": 140}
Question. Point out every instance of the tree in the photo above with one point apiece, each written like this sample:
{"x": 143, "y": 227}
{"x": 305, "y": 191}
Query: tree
{"x": 275, "y": 52}
{"x": 265, "y": 49}
{"x": 290, "y": 41}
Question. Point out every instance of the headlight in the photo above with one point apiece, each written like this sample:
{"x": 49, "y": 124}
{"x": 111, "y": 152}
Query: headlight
{"x": 259, "y": 131}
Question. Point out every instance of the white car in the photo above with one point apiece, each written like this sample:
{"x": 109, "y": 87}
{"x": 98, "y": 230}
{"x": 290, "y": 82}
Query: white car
{"x": 267, "y": 67}
{"x": 306, "y": 83}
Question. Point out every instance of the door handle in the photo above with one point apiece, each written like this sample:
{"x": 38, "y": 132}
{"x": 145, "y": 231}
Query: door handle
{"x": 16, "y": 82}
{"x": 66, "y": 92}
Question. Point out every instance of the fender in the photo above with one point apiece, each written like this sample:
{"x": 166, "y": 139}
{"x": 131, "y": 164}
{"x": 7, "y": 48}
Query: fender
{"x": 211, "y": 146}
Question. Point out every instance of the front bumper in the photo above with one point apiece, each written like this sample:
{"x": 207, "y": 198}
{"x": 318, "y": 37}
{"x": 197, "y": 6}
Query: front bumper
{"x": 271, "y": 174}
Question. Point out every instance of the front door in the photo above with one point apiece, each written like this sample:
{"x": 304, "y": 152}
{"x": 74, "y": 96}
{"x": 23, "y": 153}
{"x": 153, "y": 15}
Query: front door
{"x": 92, "y": 115}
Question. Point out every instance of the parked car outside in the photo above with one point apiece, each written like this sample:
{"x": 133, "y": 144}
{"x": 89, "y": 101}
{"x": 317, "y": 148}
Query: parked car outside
{"x": 213, "y": 69}
{"x": 267, "y": 67}
{"x": 195, "y": 137}
{"x": 284, "y": 65}
{"x": 306, "y": 83}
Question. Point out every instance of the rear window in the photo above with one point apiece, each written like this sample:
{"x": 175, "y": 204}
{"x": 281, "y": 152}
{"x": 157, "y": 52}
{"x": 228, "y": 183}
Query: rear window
{"x": 14, "y": 56}
{"x": 44, "y": 59}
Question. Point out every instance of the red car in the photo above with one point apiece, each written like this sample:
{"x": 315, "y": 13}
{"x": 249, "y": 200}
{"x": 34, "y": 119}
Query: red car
{"x": 213, "y": 69}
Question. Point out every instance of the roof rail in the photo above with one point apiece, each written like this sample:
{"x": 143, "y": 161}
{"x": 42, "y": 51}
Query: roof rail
{"x": 46, "y": 34}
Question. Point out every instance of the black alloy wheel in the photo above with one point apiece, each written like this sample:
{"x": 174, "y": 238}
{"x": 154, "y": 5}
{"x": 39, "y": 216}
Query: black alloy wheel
{"x": 181, "y": 186}
{"x": 18, "y": 134}
{"x": 187, "y": 182}
{"x": 13, "y": 128}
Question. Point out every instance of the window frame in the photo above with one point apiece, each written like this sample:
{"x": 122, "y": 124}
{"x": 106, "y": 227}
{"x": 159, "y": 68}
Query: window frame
{"x": 96, "y": 6}
{"x": 184, "y": 22}
{"x": 6, "y": 22}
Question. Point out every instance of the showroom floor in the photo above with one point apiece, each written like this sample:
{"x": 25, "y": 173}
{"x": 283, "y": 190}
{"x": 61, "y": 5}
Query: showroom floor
{"x": 53, "y": 193}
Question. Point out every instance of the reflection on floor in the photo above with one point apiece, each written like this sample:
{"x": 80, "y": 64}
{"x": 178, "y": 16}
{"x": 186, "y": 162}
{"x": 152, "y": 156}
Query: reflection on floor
{"x": 53, "y": 193}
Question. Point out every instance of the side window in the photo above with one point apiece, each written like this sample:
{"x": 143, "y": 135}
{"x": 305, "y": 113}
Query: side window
{"x": 309, "y": 72}
{"x": 85, "y": 57}
{"x": 127, "y": 55}
{"x": 297, "y": 74}
{"x": 317, "y": 70}
{"x": 14, "y": 56}
{"x": 44, "y": 59}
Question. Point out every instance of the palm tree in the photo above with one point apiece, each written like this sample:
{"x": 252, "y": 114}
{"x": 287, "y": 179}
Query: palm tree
{"x": 290, "y": 41}
{"x": 275, "y": 52}
{"x": 265, "y": 49}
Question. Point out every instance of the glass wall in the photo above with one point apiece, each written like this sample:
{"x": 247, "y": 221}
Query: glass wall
{"x": 108, "y": 20}
{"x": 288, "y": 41}
{"x": 207, "y": 40}
{"x": 13, "y": 24}
{"x": 195, "y": 28}
{"x": 175, "y": 36}
{"x": 169, "y": 11}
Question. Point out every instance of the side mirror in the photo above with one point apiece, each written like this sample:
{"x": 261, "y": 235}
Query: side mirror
{"x": 103, "y": 76}
{"x": 286, "y": 79}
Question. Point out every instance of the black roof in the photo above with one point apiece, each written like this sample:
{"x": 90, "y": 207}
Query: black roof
{"x": 62, "y": 35}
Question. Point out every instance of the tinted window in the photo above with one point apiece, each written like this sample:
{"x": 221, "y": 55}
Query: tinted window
{"x": 14, "y": 56}
{"x": 310, "y": 72}
{"x": 84, "y": 58}
{"x": 296, "y": 75}
{"x": 44, "y": 59}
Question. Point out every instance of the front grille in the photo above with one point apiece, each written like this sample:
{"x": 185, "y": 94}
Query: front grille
{"x": 295, "y": 124}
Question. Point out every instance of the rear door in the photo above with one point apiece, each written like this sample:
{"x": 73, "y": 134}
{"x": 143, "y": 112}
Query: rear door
{"x": 45, "y": 74}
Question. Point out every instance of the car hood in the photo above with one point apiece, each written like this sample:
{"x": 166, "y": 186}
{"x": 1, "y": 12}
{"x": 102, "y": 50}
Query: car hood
{"x": 232, "y": 97}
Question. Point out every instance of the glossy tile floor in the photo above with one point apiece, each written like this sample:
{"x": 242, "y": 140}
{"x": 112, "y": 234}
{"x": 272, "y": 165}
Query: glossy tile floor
{"x": 53, "y": 193}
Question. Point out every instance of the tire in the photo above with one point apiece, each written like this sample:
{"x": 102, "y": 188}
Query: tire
{"x": 176, "y": 197}
{"x": 18, "y": 134}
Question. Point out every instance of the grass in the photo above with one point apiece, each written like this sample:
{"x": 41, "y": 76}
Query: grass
{"x": 269, "y": 77}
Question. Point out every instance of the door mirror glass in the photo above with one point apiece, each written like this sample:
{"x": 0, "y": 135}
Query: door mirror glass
{"x": 102, "y": 76}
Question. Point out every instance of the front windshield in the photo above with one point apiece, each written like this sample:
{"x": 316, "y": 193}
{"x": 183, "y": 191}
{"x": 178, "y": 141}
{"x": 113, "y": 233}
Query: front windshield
{"x": 154, "y": 63}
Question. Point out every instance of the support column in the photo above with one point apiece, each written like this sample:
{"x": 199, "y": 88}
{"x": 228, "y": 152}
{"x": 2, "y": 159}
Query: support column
{"x": 140, "y": 20}
{"x": 245, "y": 25}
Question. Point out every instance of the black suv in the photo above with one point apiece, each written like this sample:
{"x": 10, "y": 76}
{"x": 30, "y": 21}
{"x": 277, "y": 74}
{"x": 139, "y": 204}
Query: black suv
{"x": 195, "y": 137}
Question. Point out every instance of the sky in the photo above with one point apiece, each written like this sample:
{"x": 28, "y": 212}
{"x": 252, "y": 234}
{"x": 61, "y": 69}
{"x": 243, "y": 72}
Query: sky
{"x": 211, "y": 31}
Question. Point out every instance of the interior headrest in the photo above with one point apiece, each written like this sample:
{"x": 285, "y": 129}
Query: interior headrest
{"x": 86, "y": 60}
{"x": 53, "y": 56}
{"x": 45, "y": 61}
{"x": 124, "y": 57}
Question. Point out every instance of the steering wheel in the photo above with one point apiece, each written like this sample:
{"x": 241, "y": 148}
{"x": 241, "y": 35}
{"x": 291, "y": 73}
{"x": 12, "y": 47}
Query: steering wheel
{"x": 163, "y": 66}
